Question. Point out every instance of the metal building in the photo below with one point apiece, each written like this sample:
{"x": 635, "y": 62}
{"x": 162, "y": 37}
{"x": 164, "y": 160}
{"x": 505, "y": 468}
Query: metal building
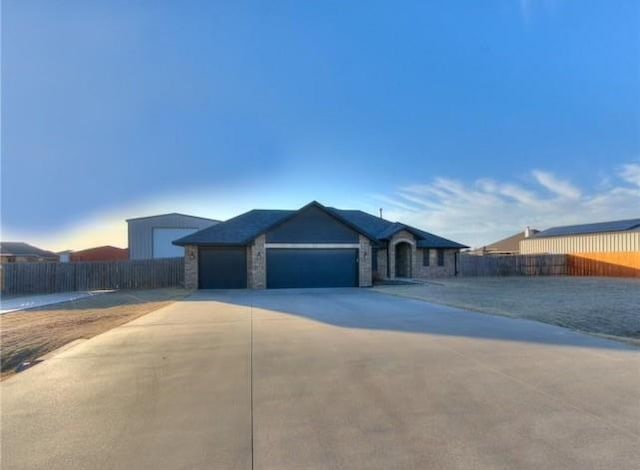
{"x": 152, "y": 236}
{"x": 618, "y": 236}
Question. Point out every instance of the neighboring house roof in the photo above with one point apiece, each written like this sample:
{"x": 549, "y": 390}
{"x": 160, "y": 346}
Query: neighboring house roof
{"x": 242, "y": 229}
{"x": 101, "y": 253}
{"x": 509, "y": 244}
{"x": 601, "y": 227}
{"x": 24, "y": 249}
{"x": 170, "y": 213}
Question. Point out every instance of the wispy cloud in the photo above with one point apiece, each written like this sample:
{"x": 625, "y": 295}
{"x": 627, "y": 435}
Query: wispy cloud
{"x": 486, "y": 210}
{"x": 555, "y": 185}
{"x": 631, "y": 173}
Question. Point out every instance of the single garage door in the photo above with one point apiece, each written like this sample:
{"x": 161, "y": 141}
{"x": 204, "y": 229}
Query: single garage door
{"x": 222, "y": 268}
{"x": 298, "y": 267}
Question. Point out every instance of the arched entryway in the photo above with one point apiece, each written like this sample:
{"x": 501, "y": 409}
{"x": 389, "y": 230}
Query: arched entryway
{"x": 403, "y": 259}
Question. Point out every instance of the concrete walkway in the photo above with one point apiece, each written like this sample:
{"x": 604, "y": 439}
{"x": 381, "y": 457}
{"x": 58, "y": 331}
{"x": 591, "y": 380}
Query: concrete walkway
{"x": 326, "y": 379}
{"x": 16, "y": 304}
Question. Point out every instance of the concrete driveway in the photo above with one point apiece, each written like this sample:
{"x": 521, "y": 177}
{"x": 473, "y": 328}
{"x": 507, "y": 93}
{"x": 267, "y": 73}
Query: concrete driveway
{"x": 326, "y": 379}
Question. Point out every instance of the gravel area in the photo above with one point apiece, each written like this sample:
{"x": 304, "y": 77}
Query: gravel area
{"x": 603, "y": 306}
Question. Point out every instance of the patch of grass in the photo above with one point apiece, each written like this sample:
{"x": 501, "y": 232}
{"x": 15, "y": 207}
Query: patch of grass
{"x": 29, "y": 334}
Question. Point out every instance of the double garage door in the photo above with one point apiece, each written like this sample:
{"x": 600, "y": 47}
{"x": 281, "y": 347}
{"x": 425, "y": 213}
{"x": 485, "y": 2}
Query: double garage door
{"x": 226, "y": 268}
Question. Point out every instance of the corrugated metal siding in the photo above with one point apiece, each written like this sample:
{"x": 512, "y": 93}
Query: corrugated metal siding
{"x": 594, "y": 243}
{"x": 141, "y": 231}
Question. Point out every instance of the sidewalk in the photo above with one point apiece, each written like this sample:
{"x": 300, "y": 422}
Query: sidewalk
{"x": 32, "y": 301}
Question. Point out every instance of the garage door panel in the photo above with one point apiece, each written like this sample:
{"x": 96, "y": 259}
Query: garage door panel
{"x": 295, "y": 267}
{"x": 222, "y": 268}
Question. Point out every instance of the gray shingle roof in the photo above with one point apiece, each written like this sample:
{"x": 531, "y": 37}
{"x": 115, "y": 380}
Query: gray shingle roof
{"x": 170, "y": 213}
{"x": 242, "y": 229}
{"x": 601, "y": 227}
{"x": 384, "y": 229}
{"x": 237, "y": 231}
{"x": 511, "y": 243}
{"x": 24, "y": 249}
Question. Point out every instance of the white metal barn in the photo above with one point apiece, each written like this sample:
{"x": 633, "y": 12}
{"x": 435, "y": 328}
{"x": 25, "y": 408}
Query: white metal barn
{"x": 152, "y": 236}
{"x": 606, "y": 237}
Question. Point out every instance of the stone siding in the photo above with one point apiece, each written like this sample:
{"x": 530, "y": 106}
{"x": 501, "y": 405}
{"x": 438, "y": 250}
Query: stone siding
{"x": 365, "y": 275}
{"x": 402, "y": 236}
{"x": 257, "y": 264}
{"x": 191, "y": 267}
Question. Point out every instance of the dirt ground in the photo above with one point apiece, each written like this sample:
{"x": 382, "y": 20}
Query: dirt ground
{"x": 602, "y": 306}
{"x": 29, "y": 334}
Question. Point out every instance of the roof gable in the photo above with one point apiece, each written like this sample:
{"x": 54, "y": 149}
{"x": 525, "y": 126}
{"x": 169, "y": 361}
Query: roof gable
{"x": 335, "y": 213}
{"x": 313, "y": 224}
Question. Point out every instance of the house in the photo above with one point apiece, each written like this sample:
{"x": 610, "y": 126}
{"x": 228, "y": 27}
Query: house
{"x": 315, "y": 246}
{"x": 152, "y": 236}
{"x": 19, "y": 252}
{"x": 99, "y": 253}
{"x": 603, "y": 237}
{"x": 506, "y": 246}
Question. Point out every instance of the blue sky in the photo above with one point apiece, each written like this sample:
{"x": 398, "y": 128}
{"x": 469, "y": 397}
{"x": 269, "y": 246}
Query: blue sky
{"x": 469, "y": 119}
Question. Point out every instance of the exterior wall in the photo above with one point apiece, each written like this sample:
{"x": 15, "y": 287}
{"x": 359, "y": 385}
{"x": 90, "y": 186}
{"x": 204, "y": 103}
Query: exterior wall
{"x": 381, "y": 273}
{"x": 593, "y": 243}
{"x": 402, "y": 236}
{"x": 141, "y": 231}
{"x": 191, "y": 267}
{"x": 365, "y": 276}
{"x": 257, "y": 264}
{"x": 433, "y": 270}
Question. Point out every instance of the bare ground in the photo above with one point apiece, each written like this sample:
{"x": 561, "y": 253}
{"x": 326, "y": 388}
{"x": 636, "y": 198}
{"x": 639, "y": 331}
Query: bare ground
{"x": 29, "y": 334}
{"x": 603, "y": 306}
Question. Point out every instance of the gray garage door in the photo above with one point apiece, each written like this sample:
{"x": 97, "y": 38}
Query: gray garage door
{"x": 295, "y": 267}
{"x": 222, "y": 268}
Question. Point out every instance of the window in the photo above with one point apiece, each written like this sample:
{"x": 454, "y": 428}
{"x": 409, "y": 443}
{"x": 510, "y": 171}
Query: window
{"x": 440, "y": 257}
{"x": 426, "y": 254}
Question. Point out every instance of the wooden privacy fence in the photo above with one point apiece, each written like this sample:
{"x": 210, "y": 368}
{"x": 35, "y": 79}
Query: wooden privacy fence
{"x": 42, "y": 278}
{"x": 520, "y": 265}
{"x": 615, "y": 264}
